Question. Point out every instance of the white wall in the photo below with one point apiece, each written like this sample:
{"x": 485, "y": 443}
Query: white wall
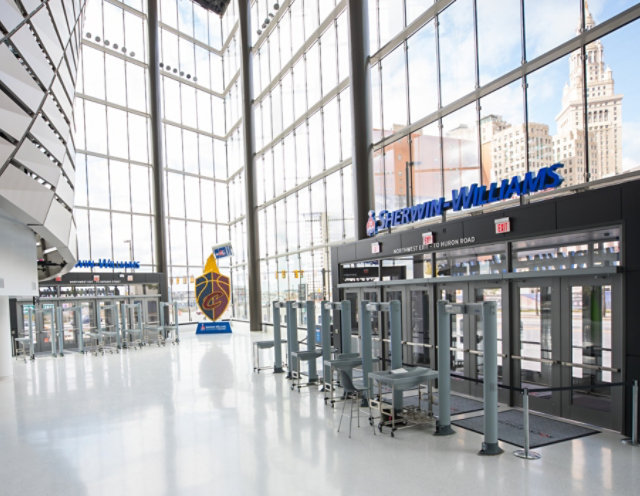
{"x": 18, "y": 268}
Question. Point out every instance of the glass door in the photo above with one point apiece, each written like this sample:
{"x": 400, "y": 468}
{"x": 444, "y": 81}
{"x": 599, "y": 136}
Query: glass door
{"x": 592, "y": 347}
{"x": 419, "y": 327}
{"x": 536, "y": 322}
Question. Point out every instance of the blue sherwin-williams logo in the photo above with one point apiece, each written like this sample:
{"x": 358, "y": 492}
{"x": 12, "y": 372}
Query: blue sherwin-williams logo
{"x": 468, "y": 197}
{"x": 372, "y": 226}
{"x": 104, "y": 263}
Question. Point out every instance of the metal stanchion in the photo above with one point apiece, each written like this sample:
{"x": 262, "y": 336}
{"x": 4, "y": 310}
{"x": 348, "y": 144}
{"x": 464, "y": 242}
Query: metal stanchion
{"x": 525, "y": 453}
{"x": 633, "y": 441}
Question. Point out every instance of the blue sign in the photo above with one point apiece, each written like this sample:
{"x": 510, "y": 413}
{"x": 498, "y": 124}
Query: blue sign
{"x": 467, "y": 197}
{"x": 213, "y": 328}
{"x": 104, "y": 263}
{"x": 223, "y": 251}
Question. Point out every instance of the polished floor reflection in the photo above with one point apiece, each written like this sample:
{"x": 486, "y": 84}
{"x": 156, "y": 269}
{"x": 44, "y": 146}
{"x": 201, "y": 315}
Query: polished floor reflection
{"x": 195, "y": 419}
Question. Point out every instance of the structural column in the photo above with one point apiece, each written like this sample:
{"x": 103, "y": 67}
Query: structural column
{"x": 6, "y": 365}
{"x": 360, "y": 114}
{"x": 155, "y": 111}
{"x": 253, "y": 248}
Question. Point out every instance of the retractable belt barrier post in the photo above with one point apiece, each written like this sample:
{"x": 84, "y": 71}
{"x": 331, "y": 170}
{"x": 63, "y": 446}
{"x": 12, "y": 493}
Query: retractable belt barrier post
{"x": 526, "y": 453}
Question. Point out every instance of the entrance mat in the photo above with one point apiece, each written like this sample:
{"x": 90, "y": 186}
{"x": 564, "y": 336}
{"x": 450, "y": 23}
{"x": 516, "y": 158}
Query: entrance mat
{"x": 459, "y": 404}
{"x": 542, "y": 430}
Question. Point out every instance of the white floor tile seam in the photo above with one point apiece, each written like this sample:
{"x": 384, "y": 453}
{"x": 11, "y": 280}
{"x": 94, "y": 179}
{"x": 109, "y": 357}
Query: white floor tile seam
{"x": 187, "y": 419}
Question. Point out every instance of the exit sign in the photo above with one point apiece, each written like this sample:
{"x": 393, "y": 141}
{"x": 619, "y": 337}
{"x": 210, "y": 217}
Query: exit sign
{"x": 427, "y": 238}
{"x": 503, "y": 225}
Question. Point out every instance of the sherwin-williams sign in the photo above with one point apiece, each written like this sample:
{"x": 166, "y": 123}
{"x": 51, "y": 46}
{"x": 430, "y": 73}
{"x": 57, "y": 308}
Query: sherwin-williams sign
{"x": 467, "y": 197}
{"x": 104, "y": 263}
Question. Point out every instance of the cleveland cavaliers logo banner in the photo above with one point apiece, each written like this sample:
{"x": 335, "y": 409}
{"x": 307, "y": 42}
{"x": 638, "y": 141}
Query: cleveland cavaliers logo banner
{"x": 213, "y": 290}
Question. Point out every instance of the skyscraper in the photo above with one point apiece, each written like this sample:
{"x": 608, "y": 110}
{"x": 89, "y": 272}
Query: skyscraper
{"x": 604, "y": 116}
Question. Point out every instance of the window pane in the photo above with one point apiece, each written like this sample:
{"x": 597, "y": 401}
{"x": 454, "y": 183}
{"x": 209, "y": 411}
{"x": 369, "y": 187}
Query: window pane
{"x": 612, "y": 95}
{"x": 98, "y": 180}
{"x": 140, "y": 202}
{"x": 313, "y": 74}
{"x": 549, "y": 23}
{"x": 331, "y": 133}
{"x": 115, "y": 89}
{"x": 396, "y": 156}
{"x": 345, "y": 123}
{"x": 329, "y": 62}
{"x": 194, "y": 245}
{"x": 192, "y": 197}
{"x": 120, "y": 199}
{"x": 460, "y": 148}
{"x": 545, "y": 105}
{"x": 316, "y": 160}
{"x": 177, "y": 242}
{"x": 499, "y": 41}
{"x": 100, "y": 225}
{"x": 423, "y": 74}
{"x": 394, "y": 91}
{"x": 335, "y": 199}
{"x": 121, "y": 232}
{"x": 427, "y": 174}
{"x": 138, "y": 138}
{"x": 96, "y": 127}
{"x": 175, "y": 187}
{"x": 457, "y": 60}
{"x": 391, "y": 21}
{"x": 190, "y": 147}
{"x": 503, "y": 138}
{"x": 173, "y": 147}
{"x": 118, "y": 140}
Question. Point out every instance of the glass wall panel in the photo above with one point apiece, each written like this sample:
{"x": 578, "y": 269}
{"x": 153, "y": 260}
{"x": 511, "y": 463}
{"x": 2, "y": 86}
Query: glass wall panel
{"x": 423, "y": 73}
{"x": 499, "y": 38}
{"x": 390, "y": 19}
{"x": 331, "y": 119}
{"x": 457, "y": 51}
{"x": 98, "y": 182}
{"x": 426, "y": 169}
{"x": 329, "y": 59}
{"x": 120, "y": 195}
{"x": 612, "y": 104}
{"x": 394, "y": 91}
{"x": 396, "y": 156}
{"x": 548, "y": 108}
{"x": 549, "y": 23}
{"x": 503, "y": 137}
{"x": 460, "y": 148}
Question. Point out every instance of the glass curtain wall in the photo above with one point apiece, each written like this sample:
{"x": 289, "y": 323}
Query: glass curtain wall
{"x": 303, "y": 144}
{"x": 113, "y": 196}
{"x": 201, "y": 113}
{"x": 451, "y": 106}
